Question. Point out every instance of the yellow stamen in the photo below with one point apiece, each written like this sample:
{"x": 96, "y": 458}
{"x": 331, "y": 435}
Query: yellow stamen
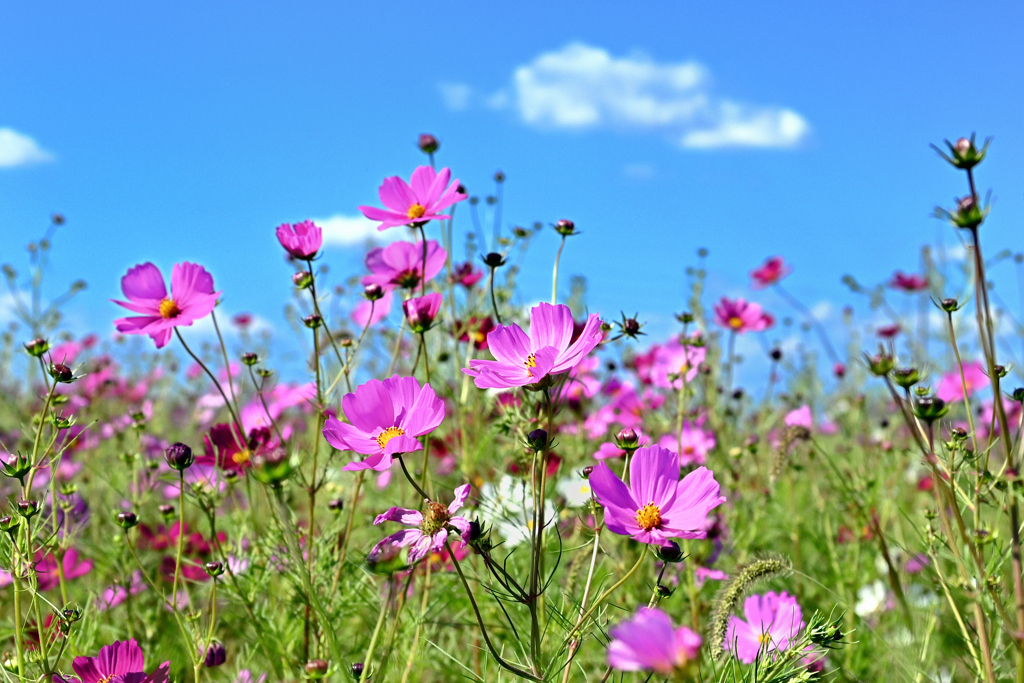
{"x": 530, "y": 362}
{"x": 764, "y": 638}
{"x": 169, "y": 309}
{"x": 241, "y": 457}
{"x": 416, "y": 211}
{"x": 649, "y": 517}
{"x": 387, "y": 435}
{"x": 735, "y": 322}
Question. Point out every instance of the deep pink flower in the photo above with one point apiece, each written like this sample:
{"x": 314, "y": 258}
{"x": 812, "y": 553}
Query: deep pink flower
{"x": 302, "y": 240}
{"x": 523, "y": 360}
{"x": 119, "y": 662}
{"x": 46, "y": 569}
{"x": 229, "y": 450}
{"x": 673, "y": 361}
{"x": 801, "y": 417}
{"x": 649, "y": 642}
{"x": 465, "y": 274}
{"x": 772, "y": 621}
{"x": 656, "y": 506}
{"x": 908, "y": 283}
{"x": 773, "y": 270}
{"x": 192, "y": 297}
{"x": 412, "y": 204}
{"x": 696, "y": 443}
{"x": 400, "y": 264}
{"x": 431, "y": 527}
{"x": 386, "y": 417}
{"x": 951, "y": 388}
{"x": 474, "y": 330}
{"x": 741, "y": 316}
{"x": 888, "y": 331}
{"x": 114, "y": 595}
{"x": 421, "y": 311}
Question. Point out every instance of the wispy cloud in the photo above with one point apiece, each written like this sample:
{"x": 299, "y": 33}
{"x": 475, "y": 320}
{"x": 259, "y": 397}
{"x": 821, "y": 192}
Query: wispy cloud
{"x": 344, "y": 230}
{"x": 582, "y": 87}
{"x": 17, "y": 149}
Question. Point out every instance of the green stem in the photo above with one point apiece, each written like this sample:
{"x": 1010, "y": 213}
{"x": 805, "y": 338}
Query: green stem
{"x": 181, "y": 538}
{"x": 368, "y": 657}
{"x": 554, "y": 275}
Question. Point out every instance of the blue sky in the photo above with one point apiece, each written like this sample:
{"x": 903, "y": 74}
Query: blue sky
{"x": 188, "y": 132}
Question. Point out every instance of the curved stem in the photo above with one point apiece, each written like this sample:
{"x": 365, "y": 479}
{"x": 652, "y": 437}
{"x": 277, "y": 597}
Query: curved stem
{"x": 227, "y": 363}
{"x": 401, "y": 461}
{"x": 220, "y": 389}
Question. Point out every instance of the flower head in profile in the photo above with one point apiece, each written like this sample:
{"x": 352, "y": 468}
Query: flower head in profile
{"x": 649, "y": 642}
{"x": 771, "y": 621}
{"x": 191, "y": 298}
{"x": 430, "y": 527}
{"x": 739, "y": 315}
{"x": 400, "y": 264}
{"x": 773, "y": 270}
{"x": 301, "y": 240}
{"x": 422, "y": 200}
{"x": 421, "y": 311}
{"x": 120, "y": 662}
{"x": 908, "y": 283}
{"x": 523, "y": 360}
{"x": 465, "y": 274}
{"x": 676, "y": 363}
{"x": 386, "y": 417}
{"x": 656, "y": 506}
{"x": 227, "y": 448}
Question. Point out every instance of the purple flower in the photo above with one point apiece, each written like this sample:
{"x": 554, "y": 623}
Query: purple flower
{"x": 523, "y": 360}
{"x": 192, "y": 297}
{"x": 421, "y": 311}
{"x": 649, "y": 642}
{"x": 431, "y": 527}
{"x": 656, "y": 506}
{"x": 119, "y": 662}
{"x": 301, "y": 240}
{"x": 386, "y": 417}
{"x": 413, "y": 204}
{"x": 772, "y": 621}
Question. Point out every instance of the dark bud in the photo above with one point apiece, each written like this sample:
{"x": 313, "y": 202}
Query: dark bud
{"x": 520, "y": 233}
{"x": 477, "y": 531}
{"x": 494, "y": 260}
{"x": 215, "y": 655}
{"x": 37, "y": 347}
{"x": 631, "y": 327}
{"x": 537, "y": 440}
{"x": 336, "y": 505}
{"x": 671, "y": 553}
{"x": 775, "y": 354}
{"x": 357, "y": 670}
{"x": 737, "y": 394}
{"x": 214, "y": 568}
{"x": 958, "y": 433}
{"x": 316, "y": 668}
{"x": 167, "y": 511}
{"x": 880, "y": 364}
{"x": 126, "y": 520}
{"x": 61, "y": 372}
{"x": 587, "y": 471}
{"x": 250, "y": 358}
{"x": 565, "y": 227}
{"x": 839, "y": 370}
{"x": 428, "y": 144}
{"x": 373, "y": 292}
{"x": 312, "y": 321}
{"x": 665, "y": 591}
{"x": 1000, "y": 371}
{"x": 930, "y": 408}
{"x": 61, "y": 422}
{"x": 58, "y": 219}
{"x": 302, "y": 279}
{"x": 906, "y": 377}
{"x": 499, "y": 177}
{"x": 28, "y": 508}
{"x": 949, "y": 305}
{"x": 1018, "y": 394}
{"x": 9, "y": 524}
{"x": 179, "y": 456}
{"x": 627, "y": 439}
{"x": 72, "y": 614}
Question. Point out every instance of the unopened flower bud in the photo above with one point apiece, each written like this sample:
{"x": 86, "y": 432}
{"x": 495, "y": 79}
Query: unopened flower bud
{"x": 316, "y": 668}
{"x": 537, "y": 440}
{"x": 906, "y": 377}
{"x": 1018, "y": 394}
{"x": 930, "y": 408}
{"x": 28, "y": 508}
{"x": 587, "y": 471}
{"x": 880, "y": 364}
{"x": 214, "y": 568}
{"x": 631, "y": 327}
{"x": 670, "y": 553}
{"x": 215, "y": 655}
{"x": 965, "y": 204}
{"x": 664, "y": 591}
{"x": 37, "y": 347}
{"x": 126, "y": 520}
{"x": 336, "y": 505}
{"x": 1000, "y": 371}
{"x": 312, "y": 321}
{"x": 166, "y": 511}
{"x": 61, "y": 372}
{"x": 9, "y": 524}
{"x": 357, "y": 670}
{"x": 839, "y": 370}
{"x": 428, "y": 144}
{"x": 627, "y": 438}
{"x": 373, "y": 292}
{"x": 685, "y": 317}
{"x": 958, "y": 433}
{"x": 494, "y": 260}
{"x": 962, "y": 146}
{"x": 249, "y": 358}
{"x": 775, "y": 354}
{"x": 499, "y": 177}
{"x": 521, "y": 233}
{"x": 72, "y": 614}
{"x": 179, "y": 456}
{"x": 565, "y": 227}
{"x": 302, "y": 279}
{"x": 949, "y": 305}
{"x": 57, "y": 219}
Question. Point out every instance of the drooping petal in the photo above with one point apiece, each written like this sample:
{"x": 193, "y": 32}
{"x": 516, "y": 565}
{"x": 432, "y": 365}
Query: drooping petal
{"x": 401, "y": 515}
{"x": 399, "y": 539}
{"x": 461, "y": 494}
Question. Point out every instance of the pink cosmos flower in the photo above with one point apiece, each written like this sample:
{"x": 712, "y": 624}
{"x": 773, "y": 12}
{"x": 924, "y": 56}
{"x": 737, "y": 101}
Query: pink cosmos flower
{"x": 656, "y": 506}
{"x": 523, "y": 360}
{"x": 801, "y": 417}
{"x": 414, "y": 204}
{"x": 119, "y": 662}
{"x": 694, "y": 446}
{"x": 386, "y": 417}
{"x": 888, "y": 331}
{"x": 773, "y": 270}
{"x": 46, "y": 569}
{"x": 741, "y": 316}
{"x": 421, "y": 311}
{"x": 649, "y": 642}
{"x": 673, "y": 361}
{"x": 702, "y": 574}
{"x": 431, "y": 527}
{"x": 401, "y": 264}
{"x": 302, "y": 240}
{"x": 908, "y": 283}
{"x": 951, "y": 388}
{"x": 465, "y": 274}
{"x": 114, "y": 595}
{"x": 192, "y": 297}
{"x": 772, "y": 621}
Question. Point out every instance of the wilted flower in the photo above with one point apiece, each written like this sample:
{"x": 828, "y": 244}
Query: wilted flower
{"x": 432, "y": 526}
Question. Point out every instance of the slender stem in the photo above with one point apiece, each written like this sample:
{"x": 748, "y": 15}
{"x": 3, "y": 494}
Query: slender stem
{"x": 401, "y": 461}
{"x": 227, "y": 363}
{"x": 17, "y": 621}
{"x": 554, "y": 275}
{"x": 419, "y": 627}
{"x": 220, "y": 389}
{"x": 611, "y": 589}
{"x": 181, "y": 538}
{"x": 423, "y": 273}
{"x": 494, "y": 302}
{"x": 348, "y": 528}
{"x": 368, "y": 657}
{"x": 575, "y": 645}
{"x": 691, "y": 569}
{"x": 398, "y": 348}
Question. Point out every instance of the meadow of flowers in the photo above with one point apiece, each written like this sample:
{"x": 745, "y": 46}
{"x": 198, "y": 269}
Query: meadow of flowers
{"x": 462, "y": 488}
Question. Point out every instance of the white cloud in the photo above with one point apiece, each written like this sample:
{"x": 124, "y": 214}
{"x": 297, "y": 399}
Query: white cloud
{"x": 582, "y": 87}
{"x": 20, "y": 150}
{"x": 342, "y": 230}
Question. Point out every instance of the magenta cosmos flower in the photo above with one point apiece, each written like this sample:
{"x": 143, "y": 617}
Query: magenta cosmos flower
{"x": 523, "y": 360}
{"x": 386, "y": 417}
{"x": 431, "y": 527}
{"x": 418, "y": 202}
{"x": 674, "y": 361}
{"x": 772, "y": 621}
{"x": 656, "y": 506}
{"x": 119, "y": 662}
{"x": 421, "y": 311}
{"x": 951, "y": 388}
{"x": 739, "y": 315}
{"x": 192, "y": 297}
{"x": 773, "y": 270}
{"x": 401, "y": 264}
{"x": 302, "y": 240}
{"x": 908, "y": 283}
{"x": 649, "y": 642}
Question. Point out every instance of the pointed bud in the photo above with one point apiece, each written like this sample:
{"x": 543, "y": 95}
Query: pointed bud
{"x": 37, "y": 347}
{"x": 312, "y": 321}
{"x": 61, "y": 372}
{"x": 537, "y": 440}
{"x": 670, "y": 553}
{"x": 249, "y": 358}
{"x": 214, "y": 568}
{"x": 316, "y": 668}
{"x": 215, "y": 655}
{"x": 336, "y": 505}
{"x": 494, "y": 260}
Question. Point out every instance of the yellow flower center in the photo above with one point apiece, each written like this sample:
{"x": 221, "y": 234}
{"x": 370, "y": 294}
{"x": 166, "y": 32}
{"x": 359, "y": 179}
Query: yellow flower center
{"x": 735, "y": 322}
{"x": 169, "y": 309}
{"x": 649, "y": 517}
{"x": 688, "y": 450}
{"x": 387, "y": 435}
{"x": 764, "y": 638}
{"x": 416, "y": 211}
{"x": 530, "y": 362}
{"x": 241, "y": 457}
{"x": 683, "y": 369}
